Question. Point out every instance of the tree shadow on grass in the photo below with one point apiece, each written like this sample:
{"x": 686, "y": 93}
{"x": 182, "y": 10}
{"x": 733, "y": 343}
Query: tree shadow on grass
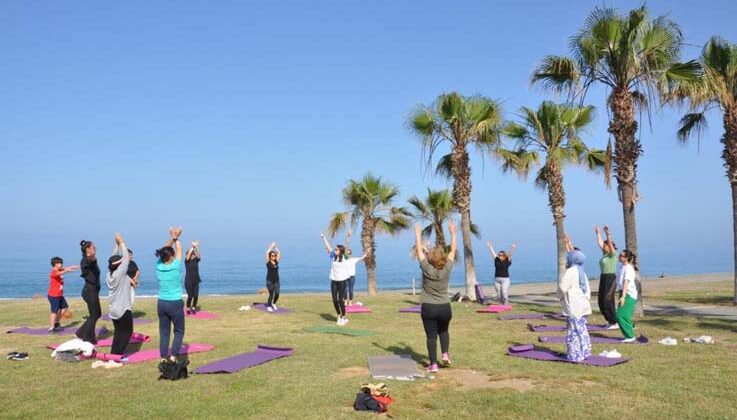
{"x": 411, "y": 302}
{"x": 328, "y": 317}
{"x": 717, "y": 324}
{"x": 722, "y": 300}
{"x": 138, "y": 314}
{"x": 403, "y": 348}
{"x": 662, "y": 323}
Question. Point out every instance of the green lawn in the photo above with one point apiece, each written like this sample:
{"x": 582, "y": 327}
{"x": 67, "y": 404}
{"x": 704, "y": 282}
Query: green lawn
{"x": 323, "y": 376}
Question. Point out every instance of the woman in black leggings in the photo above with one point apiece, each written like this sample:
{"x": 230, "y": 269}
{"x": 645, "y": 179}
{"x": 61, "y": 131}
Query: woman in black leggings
{"x": 273, "y": 256}
{"x": 340, "y": 271}
{"x": 90, "y": 291}
{"x": 192, "y": 277}
{"x": 436, "y": 314}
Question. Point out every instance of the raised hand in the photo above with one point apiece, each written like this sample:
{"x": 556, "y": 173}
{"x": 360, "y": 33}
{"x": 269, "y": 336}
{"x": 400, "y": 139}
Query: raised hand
{"x": 118, "y": 238}
{"x": 488, "y": 244}
{"x": 418, "y": 229}
{"x": 606, "y": 229}
{"x": 452, "y": 226}
{"x": 596, "y": 229}
{"x": 514, "y": 245}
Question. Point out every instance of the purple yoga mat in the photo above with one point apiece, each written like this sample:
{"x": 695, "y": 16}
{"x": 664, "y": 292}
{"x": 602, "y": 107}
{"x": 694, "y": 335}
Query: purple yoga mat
{"x": 546, "y": 328}
{"x": 412, "y": 310}
{"x": 594, "y": 339}
{"x": 136, "y": 321}
{"x": 549, "y": 356}
{"x": 45, "y": 331}
{"x": 530, "y": 316}
{"x": 233, "y": 364}
{"x": 279, "y": 310}
{"x": 136, "y": 338}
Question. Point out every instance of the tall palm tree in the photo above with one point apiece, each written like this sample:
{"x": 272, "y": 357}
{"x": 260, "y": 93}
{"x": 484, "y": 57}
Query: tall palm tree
{"x": 552, "y": 133}
{"x": 369, "y": 200}
{"x": 716, "y": 88}
{"x": 462, "y": 122}
{"x": 636, "y": 59}
{"x": 435, "y": 209}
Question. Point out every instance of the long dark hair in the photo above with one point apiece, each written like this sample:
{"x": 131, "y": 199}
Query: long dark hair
{"x": 631, "y": 258}
{"x": 83, "y": 245}
{"x": 165, "y": 253}
{"x": 340, "y": 257}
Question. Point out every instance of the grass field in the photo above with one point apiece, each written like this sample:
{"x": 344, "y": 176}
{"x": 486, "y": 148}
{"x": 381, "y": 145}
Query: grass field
{"x": 323, "y": 376}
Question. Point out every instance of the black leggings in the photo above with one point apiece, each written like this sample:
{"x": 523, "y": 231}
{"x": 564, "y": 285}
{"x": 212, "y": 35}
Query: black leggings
{"x": 123, "y": 331}
{"x": 435, "y": 319}
{"x": 337, "y": 289}
{"x": 351, "y": 283}
{"x": 193, "y": 294}
{"x": 607, "y": 288}
{"x": 91, "y": 297}
{"x": 273, "y": 287}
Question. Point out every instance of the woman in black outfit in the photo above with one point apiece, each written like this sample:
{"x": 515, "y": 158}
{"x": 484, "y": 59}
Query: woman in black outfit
{"x": 90, "y": 291}
{"x": 273, "y": 256}
{"x": 192, "y": 278}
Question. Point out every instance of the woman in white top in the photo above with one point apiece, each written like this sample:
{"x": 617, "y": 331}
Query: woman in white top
{"x": 574, "y": 294}
{"x": 628, "y": 300}
{"x": 340, "y": 271}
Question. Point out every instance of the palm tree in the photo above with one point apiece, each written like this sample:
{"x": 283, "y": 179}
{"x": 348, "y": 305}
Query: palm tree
{"x": 553, "y": 132}
{"x": 634, "y": 57}
{"x": 461, "y": 121}
{"x": 435, "y": 209}
{"x": 716, "y": 88}
{"x": 370, "y": 201}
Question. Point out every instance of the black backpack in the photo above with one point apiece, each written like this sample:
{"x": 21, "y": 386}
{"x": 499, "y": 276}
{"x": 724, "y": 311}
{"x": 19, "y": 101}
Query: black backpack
{"x": 173, "y": 370}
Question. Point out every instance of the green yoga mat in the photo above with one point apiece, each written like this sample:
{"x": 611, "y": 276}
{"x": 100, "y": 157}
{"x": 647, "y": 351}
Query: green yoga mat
{"x": 328, "y": 329}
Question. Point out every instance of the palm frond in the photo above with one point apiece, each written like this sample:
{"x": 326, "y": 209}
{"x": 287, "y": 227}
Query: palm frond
{"x": 690, "y": 123}
{"x": 337, "y": 222}
{"x": 557, "y": 73}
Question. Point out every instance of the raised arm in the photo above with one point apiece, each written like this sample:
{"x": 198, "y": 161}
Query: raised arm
{"x": 511, "y": 250}
{"x": 599, "y": 240}
{"x": 453, "y": 241}
{"x": 268, "y": 251}
{"x": 348, "y": 240}
{"x": 328, "y": 248}
{"x": 569, "y": 245}
{"x": 418, "y": 243}
{"x": 491, "y": 249}
{"x": 175, "y": 232}
{"x": 609, "y": 242}
{"x": 125, "y": 257}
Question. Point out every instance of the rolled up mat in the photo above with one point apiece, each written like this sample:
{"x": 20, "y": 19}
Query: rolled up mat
{"x": 45, "y": 331}
{"x": 411, "y": 310}
{"x": 546, "y": 328}
{"x": 357, "y": 309}
{"x": 597, "y": 339}
{"x": 395, "y": 366}
{"x": 279, "y": 310}
{"x": 521, "y": 347}
{"x": 549, "y": 356}
{"x": 233, "y": 364}
{"x": 153, "y": 354}
{"x": 136, "y": 321}
{"x": 495, "y": 309}
{"x": 136, "y": 338}
{"x": 530, "y": 316}
{"x": 332, "y": 329}
{"x": 202, "y": 315}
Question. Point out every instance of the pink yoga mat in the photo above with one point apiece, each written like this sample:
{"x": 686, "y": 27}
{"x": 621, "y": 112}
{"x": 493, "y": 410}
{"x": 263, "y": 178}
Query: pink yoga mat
{"x": 412, "y": 310}
{"x": 136, "y": 338}
{"x": 546, "y": 328}
{"x": 528, "y": 351}
{"x": 153, "y": 354}
{"x": 598, "y": 339}
{"x": 233, "y": 364}
{"x": 202, "y": 315}
{"x": 495, "y": 309}
{"x": 357, "y": 309}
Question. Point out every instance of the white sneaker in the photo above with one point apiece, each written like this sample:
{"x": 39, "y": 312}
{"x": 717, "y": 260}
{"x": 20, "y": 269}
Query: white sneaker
{"x": 629, "y": 340}
{"x": 274, "y": 306}
{"x": 340, "y": 322}
{"x": 613, "y": 327}
{"x": 270, "y": 309}
{"x": 345, "y": 320}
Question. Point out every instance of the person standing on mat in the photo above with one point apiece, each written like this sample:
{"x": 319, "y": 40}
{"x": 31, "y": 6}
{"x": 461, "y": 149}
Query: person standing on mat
{"x": 435, "y": 310}
{"x": 351, "y": 282}
{"x": 90, "y": 291}
{"x": 192, "y": 277}
{"x": 170, "y": 306}
{"x": 626, "y": 283}
{"x": 133, "y": 273}
{"x": 340, "y": 270}
{"x": 501, "y": 272}
{"x": 56, "y": 292}
{"x": 574, "y": 294}
{"x": 273, "y": 256}
{"x": 119, "y": 286}
{"x": 608, "y": 278}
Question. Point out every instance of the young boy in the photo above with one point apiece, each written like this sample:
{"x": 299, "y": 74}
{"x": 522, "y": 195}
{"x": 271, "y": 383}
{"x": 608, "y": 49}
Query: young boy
{"x": 56, "y": 292}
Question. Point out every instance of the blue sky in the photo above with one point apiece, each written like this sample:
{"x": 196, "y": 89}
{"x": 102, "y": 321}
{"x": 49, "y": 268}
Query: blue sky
{"x": 243, "y": 120}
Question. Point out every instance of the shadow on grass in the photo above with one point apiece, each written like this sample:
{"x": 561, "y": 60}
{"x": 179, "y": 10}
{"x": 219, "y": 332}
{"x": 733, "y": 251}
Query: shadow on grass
{"x": 133, "y": 348}
{"x": 722, "y": 300}
{"x": 328, "y": 317}
{"x": 140, "y": 314}
{"x": 404, "y": 348}
{"x": 411, "y": 302}
{"x": 715, "y": 324}
{"x": 71, "y": 324}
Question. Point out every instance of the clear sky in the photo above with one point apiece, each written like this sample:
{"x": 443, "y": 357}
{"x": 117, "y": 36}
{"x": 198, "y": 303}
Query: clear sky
{"x": 243, "y": 120}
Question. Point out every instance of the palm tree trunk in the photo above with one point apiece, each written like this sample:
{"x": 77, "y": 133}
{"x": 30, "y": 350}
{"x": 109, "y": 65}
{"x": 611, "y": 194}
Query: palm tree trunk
{"x": 368, "y": 231}
{"x": 729, "y": 154}
{"x": 560, "y": 234}
{"x": 557, "y": 202}
{"x": 461, "y": 170}
{"x": 734, "y": 236}
{"x": 627, "y": 151}
{"x": 439, "y": 234}
{"x": 468, "y": 254}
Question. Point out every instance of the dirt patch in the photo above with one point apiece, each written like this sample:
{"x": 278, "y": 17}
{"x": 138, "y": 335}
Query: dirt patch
{"x": 471, "y": 379}
{"x": 353, "y": 371}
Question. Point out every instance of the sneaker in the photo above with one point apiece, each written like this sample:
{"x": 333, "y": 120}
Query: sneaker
{"x": 340, "y": 322}
{"x": 52, "y": 331}
{"x": 613, "y": 327}
{"x": 629, "y": 340}
{"x": 345, "y": 320}
{"x": 270, "y": 309}
{"x": 446, "y": 359}
{"x": 273, "y": 305}
{"x": 433, "y": 368}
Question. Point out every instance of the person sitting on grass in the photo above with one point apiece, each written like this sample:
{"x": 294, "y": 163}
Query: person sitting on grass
{"x": 57, "y": 301}
{"x": 574, "y": 294}
{"x": 628, "y": 300}
{"x": 435, "y": 312}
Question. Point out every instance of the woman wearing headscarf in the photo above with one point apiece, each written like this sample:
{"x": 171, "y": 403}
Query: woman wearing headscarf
{"x": 574, "y": 295}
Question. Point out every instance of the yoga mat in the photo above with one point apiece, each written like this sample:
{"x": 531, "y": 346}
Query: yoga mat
{"x": 202, "y": 315}
{"x": 233, "y": 364}
{"x": 494, "y": 309}
{"x": 530, "y": 316}
{"x": 136, "y": 321}
{"x": 412, "y": 310}
{"x": 279, "y": 310}
{"x": 396, "y": 366}
{"x": 45, "y": 331}
{"x": 594, "y": 339}
{"x": 549, "y": 356}
{"x": 153, "y": 354}
{"x": 332, "y": 329}
{"x": 357, "y": 309}
{"x": 136, "y": 338}
{"x": 546, "y": 328}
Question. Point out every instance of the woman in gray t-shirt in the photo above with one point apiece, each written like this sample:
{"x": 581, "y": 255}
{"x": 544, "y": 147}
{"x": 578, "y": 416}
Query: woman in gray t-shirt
{"x": 436, "y": 314}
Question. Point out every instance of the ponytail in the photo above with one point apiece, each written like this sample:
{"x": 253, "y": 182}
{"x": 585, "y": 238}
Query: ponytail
{"x": 631, "y": 258}
{"x": 165, "y": 254}
{"x": 83, "y": 245}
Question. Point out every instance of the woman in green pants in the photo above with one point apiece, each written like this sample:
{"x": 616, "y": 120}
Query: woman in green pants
{"x": 626, "y": 283}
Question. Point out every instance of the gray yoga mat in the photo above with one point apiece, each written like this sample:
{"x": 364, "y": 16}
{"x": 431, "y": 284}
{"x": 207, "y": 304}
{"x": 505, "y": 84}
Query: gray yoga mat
{"x": 396, "y": 366}
{"x": 546, "y": 328}
{"x": 597, "y": 339}
{"x": 233, "y": 364}
{"x": 528, "y": 351}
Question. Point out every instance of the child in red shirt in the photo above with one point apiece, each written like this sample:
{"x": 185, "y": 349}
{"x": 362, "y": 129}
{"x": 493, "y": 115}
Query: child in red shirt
{"x": 56, "y": 292}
